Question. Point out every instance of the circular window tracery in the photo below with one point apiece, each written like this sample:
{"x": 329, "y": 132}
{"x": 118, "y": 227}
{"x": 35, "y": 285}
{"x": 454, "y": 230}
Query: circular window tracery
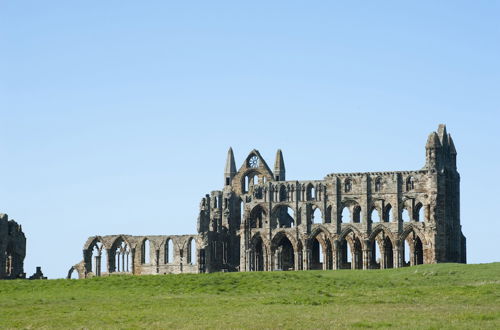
{"x": 253, "y": 162}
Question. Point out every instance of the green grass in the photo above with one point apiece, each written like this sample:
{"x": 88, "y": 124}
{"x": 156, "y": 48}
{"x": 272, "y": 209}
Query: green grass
{"x": 427, "y": 296}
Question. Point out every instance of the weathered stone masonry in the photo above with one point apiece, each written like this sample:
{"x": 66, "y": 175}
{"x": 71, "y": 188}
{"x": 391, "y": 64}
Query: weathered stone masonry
{"x": 260, "y": 221}
{"x": 12, "y": 249}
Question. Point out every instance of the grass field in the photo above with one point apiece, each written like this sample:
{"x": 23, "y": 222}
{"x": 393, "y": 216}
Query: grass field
{"x": 427, "y": 296}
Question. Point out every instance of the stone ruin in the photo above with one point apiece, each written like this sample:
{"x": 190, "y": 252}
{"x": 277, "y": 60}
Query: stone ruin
{"x": 260, "y": 221}
{"x": 12, "y": 249}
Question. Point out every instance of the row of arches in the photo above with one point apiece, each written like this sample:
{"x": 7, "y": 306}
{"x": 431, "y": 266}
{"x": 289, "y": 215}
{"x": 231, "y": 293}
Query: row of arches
{"x": 284, "y": 216}
{"x": 120, "y": 257}
{"x": 348, "y": 251}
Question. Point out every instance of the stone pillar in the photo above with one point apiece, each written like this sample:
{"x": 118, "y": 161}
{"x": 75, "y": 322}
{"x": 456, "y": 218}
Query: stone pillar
{"x": 397, "y": 257}
{"x": 367, "y": 254}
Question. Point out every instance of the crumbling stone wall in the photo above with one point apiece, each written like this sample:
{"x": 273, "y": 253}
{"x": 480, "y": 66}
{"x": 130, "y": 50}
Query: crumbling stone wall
{"x": 12, "y": 249}
{"x": 261, "y": 221}
{"x": 138, "y": 255}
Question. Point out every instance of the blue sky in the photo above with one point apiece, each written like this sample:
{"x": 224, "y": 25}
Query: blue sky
{"x": 116, "y": 116}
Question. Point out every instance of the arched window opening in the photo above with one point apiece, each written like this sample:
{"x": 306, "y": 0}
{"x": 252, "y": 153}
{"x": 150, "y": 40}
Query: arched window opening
{"x": 192, "y": 252}
{"x": 410, "y": 183}
{"x": 285, "y": 255}
{"x": 406, "y": 215}
{"x": 356, "y": 214}
{"x": 255, "y": 180}
{"x": 310, "y": 192}
{"x": 257, "y": 217}
{"x": 283, "y": 217}
{"x": 99, "y": 259}
{"x": 376, "y": 259}
{"x": 375, "y": 216}
{"x": 146, "y": 252}
{"x": 378, "y": 184}
{"x": 169, "y": 251}
{"x": 215, "y": 202}
{"x": 73, "y": 274}
{"x": 347, "y": 185}
{"x": 242, "y": 211}
{"x": 316, "y": 216}
{"x": 245, "y": 184}
{"x": 419, "y": 212}
{"x": 388, "y": 213}
{"x": 345, "y": 215}
{"x": 317, "y": 255}
{"x": 351, "y": 252}
{"x": 123, "y": 257}
{"x": 283, "y": 194}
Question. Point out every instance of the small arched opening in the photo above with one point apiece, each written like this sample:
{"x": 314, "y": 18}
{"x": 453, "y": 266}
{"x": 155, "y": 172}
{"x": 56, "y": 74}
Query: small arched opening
{"x": 316, "y": 216}
{"x": 146, "y": 252}
{"x": 388, "y": 213}
{"x": 374, "y": 215}
{"x": 356, "y": 214}
{"x": 191, "y": 252}
{"x": 419, "y": 212}
{"x": 169, "y": 251}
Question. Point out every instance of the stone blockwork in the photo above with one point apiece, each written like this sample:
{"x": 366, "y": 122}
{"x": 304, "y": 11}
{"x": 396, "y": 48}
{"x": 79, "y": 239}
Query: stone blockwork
{"x": 261, "y": 221}
{"x": 12, "y": 249}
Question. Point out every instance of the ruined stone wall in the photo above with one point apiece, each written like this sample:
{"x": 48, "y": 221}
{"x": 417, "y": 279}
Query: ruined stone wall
{"x": 12, "y": 249}
{"x": 261, "y": 221}
{"x": 138, "y": 255}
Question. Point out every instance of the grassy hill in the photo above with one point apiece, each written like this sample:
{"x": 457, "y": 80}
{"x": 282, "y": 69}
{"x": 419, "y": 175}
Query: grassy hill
{"x": 427, "y": 296}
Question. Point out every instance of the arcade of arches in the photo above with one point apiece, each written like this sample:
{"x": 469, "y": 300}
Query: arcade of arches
{"x": 260, "y": 221}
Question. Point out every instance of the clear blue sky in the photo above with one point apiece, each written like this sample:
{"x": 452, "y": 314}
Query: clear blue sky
{"x": 116, "y": 116}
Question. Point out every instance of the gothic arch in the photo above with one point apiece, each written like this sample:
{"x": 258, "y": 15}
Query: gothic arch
{"x": 279, "y": 235}
{"x": 381, "y": 228}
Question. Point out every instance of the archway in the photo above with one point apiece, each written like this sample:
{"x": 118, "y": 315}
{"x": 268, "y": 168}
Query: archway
{"x": 284, "y": 254}
{"x": 169, "y": 251}
{"x": 122, "y": 256}
{"x": 257, "y": 216}
{"x": 99, "y": 259}
{"x": 351, "y": 253}
{"x": 146, "y": 252}
{"x": 257, "y": 254}
{"x": 413, "y": 253}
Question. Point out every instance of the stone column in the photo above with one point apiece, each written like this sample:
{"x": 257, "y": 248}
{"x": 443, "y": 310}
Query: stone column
{"x": 367, "y": 258}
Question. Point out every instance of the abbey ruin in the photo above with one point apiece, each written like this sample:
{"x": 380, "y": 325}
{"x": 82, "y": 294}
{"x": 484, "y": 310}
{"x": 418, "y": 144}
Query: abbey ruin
{"x": 260, "y": 221}
{"x": 12, "y": 249}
